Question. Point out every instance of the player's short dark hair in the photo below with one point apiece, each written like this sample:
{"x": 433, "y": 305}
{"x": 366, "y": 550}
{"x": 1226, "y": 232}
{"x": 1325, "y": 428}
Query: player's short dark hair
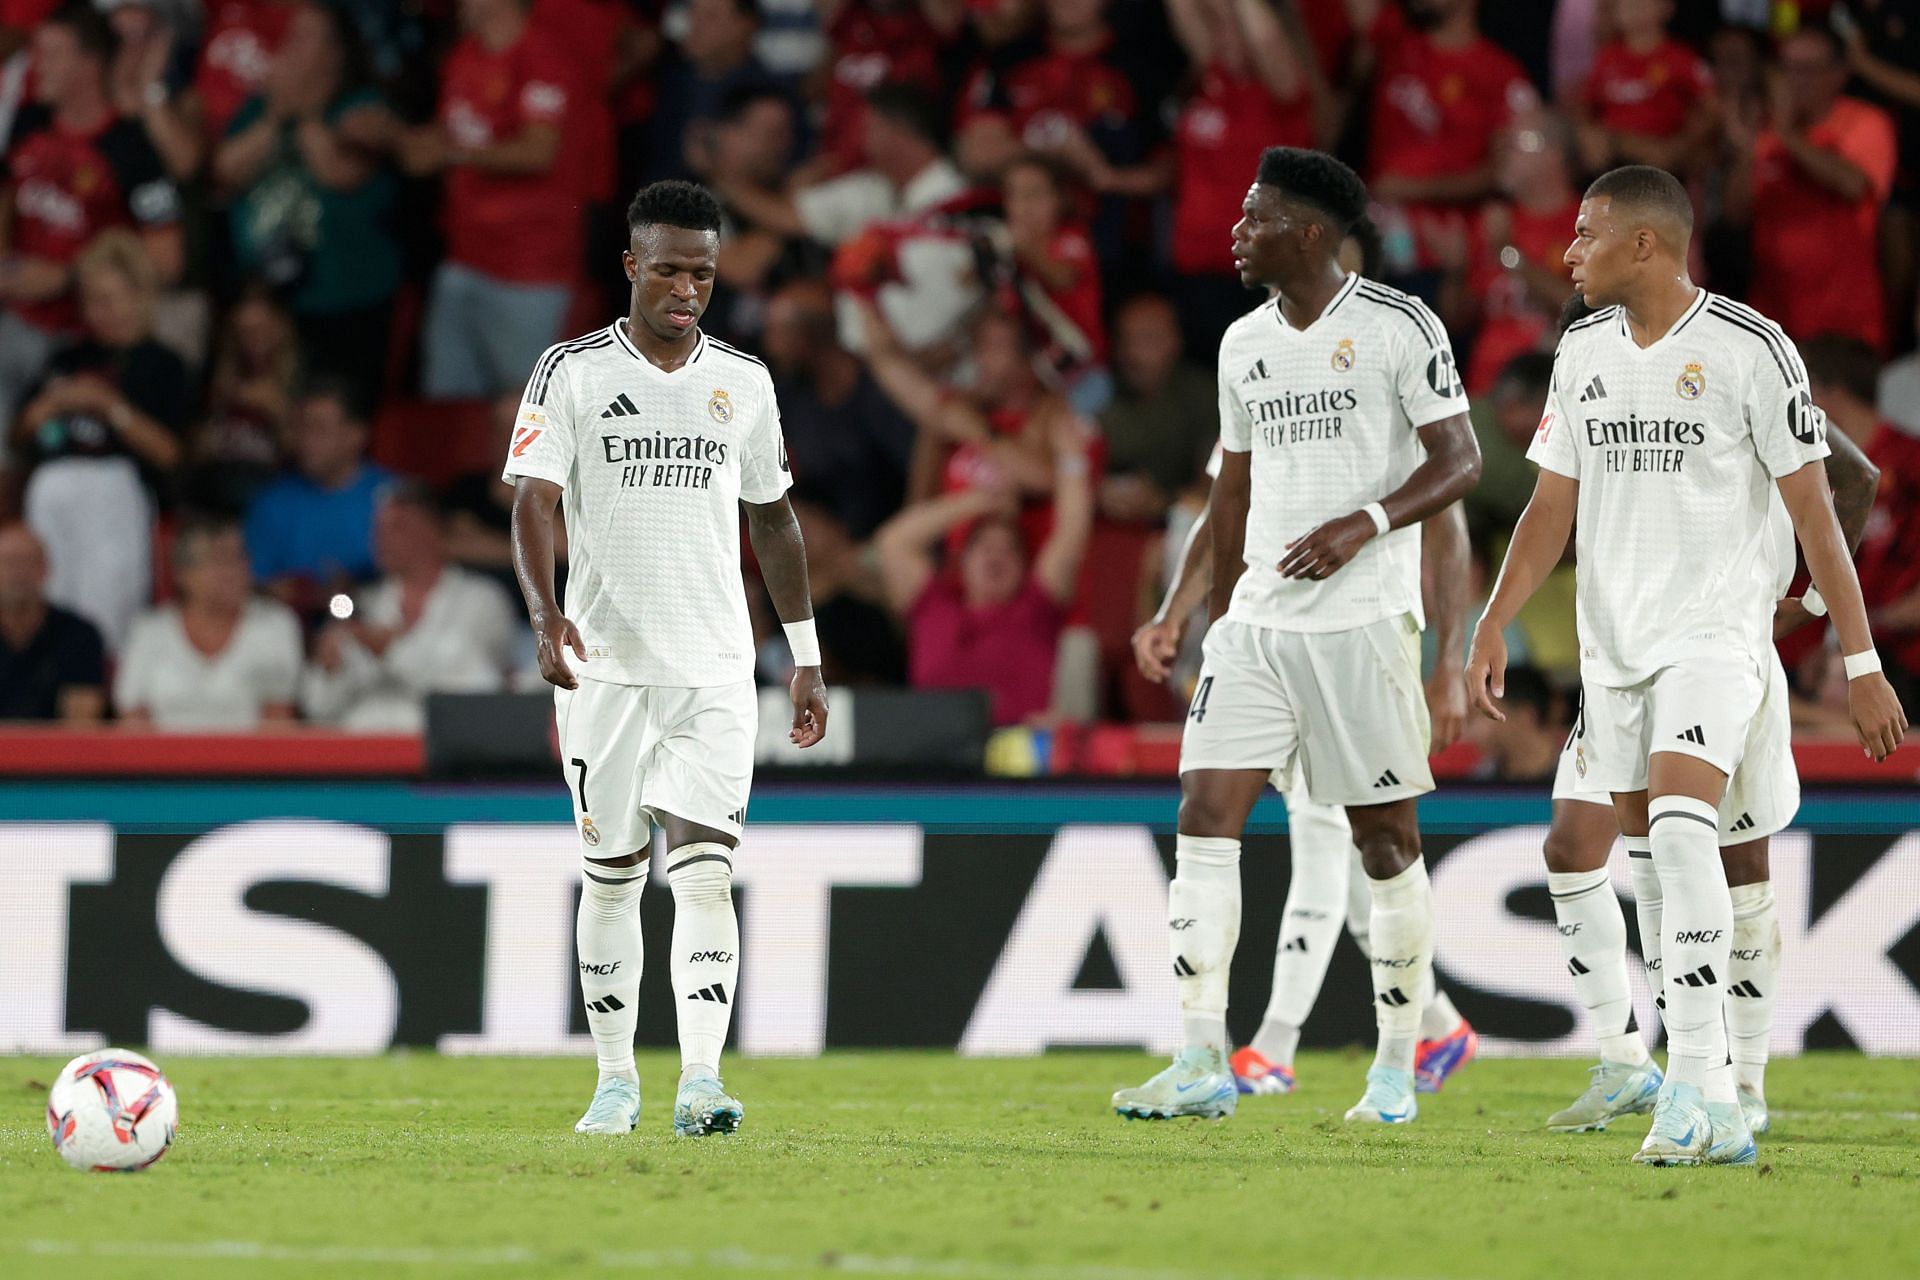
{"x": 342, "y": 391}
{"x": 195, "y": 528}
{"x": 1316, "y": 178}
{"x": 1573, "y": 310}
{"x": 90, "y": 28}
{"x": 1527, "y": 687}
{"x": 406, "y": 491}
{"x": 1845, "y": 361}
{"x": 1641, "y": 186}
{"x": 737, "y": 101}
{"x": 1372, "y": 248}
{"x": 911, "y": 109}
{"x": 1530, "y": 372}
{"x": 673, "y": 203}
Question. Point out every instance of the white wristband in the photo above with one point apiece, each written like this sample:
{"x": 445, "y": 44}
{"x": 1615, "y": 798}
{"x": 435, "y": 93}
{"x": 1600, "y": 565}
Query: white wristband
{"x": 1378, "y": 514}
{"x": 1864, "y": 663}
{"x": 1813, "y": 602}
{"x": 804, "y": 640}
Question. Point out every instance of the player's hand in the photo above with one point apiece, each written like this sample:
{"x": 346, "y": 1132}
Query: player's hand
{"x": 1487, "y": 671}
{"x": 1155, "y": 645}
{"x": 1877, "y": 716}
{"x": 809, "y": 707}
{"x": 1324, "y": 551}
{"x": 1789, "y": 615}
{"x": 1446, "y": 708}
{"x": 552, "y": 639}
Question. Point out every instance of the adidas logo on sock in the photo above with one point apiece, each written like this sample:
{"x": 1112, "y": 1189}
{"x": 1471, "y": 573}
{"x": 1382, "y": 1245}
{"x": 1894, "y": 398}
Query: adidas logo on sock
{"x": 1693, "y": 735}
{"x": 606, "y": 1004}
{"x": 716, "y": 993}
{"x": 1181, "y": 969}
{"x": 1393, "y": 997}
{"x": 620, "y": 408}
{"x": 1746, "y": 990}
{"x": 1701, "y": 977}
{"x": 1387, "y": 780}
{"x": 1295, "y": 944}
{"x": 1577, "y": 969}
{"x": 1745, "y": 823}
{"x": 1594, "y": 391}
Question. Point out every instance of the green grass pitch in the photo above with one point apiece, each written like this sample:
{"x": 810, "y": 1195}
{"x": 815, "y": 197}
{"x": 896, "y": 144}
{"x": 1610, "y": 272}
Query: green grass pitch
{"x": 924, "y": 1164}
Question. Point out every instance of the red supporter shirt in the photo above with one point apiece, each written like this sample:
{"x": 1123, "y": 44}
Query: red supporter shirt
{"x": 1222, "y": 130}
{"x": 1436, "y": 110}
{"x": 523, "y": 228}
{"x": 1006, "y": 649}
{"x": 1039, "y": 95}
{"x": 1652, "y": 93}
{"x": 871, "y": 49}
{"x": 1511, "y": 323}
{"x": 587, "y": 35}
{"x": 1079, "y": 302}
{"x": 1816, "y": 255}
{"x": 242, "y": 36}
{"x": 68, "y": 187}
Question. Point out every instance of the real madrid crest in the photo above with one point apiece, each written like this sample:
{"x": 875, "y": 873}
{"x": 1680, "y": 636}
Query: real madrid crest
{"x": 589, "y": 832}
{"x": 1343, "y": 356}
{"x": 720, "y": 408}
{"x": 1692, "y": 383}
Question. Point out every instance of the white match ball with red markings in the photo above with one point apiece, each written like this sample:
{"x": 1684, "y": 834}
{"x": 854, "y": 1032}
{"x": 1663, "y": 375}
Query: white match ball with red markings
{"x": 112, "y": 1112}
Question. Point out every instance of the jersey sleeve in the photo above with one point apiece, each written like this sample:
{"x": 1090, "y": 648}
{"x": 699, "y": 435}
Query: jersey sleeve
{"x": 543, "y": 442}
{"x": 1788, "y": 431}
{"x": 1554, "y": 448}
{"x": 1427, "y": 377}
{"x": 1236, "y": 425}
{"x": 764, "y": 471}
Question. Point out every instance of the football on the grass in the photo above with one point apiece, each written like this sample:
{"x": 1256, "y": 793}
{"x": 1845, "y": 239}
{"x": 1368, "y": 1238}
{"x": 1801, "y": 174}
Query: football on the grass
{"x": 111, "y": 1112}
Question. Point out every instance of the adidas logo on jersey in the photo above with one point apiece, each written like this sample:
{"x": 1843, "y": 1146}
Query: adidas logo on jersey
{"x": 1693, "y": 735}
{"x": 620, "y": 408}
{"x": 1595, "y": 391}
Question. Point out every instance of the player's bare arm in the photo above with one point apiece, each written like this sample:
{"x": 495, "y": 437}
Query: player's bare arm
{"x": 1157, "y": 640}
{"x": 1451, "y": 470}
{"x": 1877, "y": 716}
{"x": 1854, "y": 480}
{"x": 1446, "y": 556}
{"x": 1539, "y": 540}
{"x": 782, "y": 554}
{"x": 534, "y": 501}
{"x": 1232, "y": 496}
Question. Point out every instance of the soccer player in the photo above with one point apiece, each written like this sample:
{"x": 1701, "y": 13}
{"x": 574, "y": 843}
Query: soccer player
{"x": 1329, "y": 394}
{"x": 655, "y": 436}
{"x": 1327, "y": 884}
{"x": 1762, "y": 795}
{"x": 1671, "y": 415}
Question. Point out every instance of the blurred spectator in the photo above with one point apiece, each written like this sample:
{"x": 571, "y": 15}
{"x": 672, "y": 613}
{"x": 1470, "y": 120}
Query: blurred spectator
{"x": 478, "y": 506}
{"x": 236, "y": 54}
{"x": 1253, "y": 92}
{"x": 995, "y": 622}
{"x": 1649, "y": 98}
{"x": 750, "y": 148}
{"x": 1811, "y": 187}
{"x": 512, "y": 212}
{"x": 1883, "y": 48}
{"x": 1055, "y": 280}
{"x": 53, "y": 665}
{"x": 859, "y": 642}
{"x": 1159, "y": 427}
{"x": 1508, "y": 279}
{"x": 850, "y": 445}
{"x": 312, "y": 198}
{"x": 148, "y": 79}
{"x": 103, "y": 436}
{"x": 1504, "y": 421}
{"x": 874, "y": 43}
{"x": 712, "y": 58}
{"x": 256, "y": 373}
{"x": 1526, "y": 746}
{"x": 216, "y": 657}
{"x": 18, "y": 18}
{"x": 310, "y": 532}
{"x": 425, "y": 627}
{"x": 73, "y": 169}
{"x": 1441, "y": 94}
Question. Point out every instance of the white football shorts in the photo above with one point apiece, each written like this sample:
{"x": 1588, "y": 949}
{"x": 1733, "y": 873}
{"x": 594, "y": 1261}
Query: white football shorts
{"x": 633, "y": 753}
{"x": 1346, "y": 707}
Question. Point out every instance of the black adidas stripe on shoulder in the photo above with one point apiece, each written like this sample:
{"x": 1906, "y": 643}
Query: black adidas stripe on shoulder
{"x": 1740, "y": 316}
{"x": 1602, "y": 316}
{"x": 550, "y": 363}
{"x": 732, "y": 350}
{"x": 1407, "y": 304}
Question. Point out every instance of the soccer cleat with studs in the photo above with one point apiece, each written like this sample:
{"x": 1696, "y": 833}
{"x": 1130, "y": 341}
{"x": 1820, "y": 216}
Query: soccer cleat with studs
{"x": 1199, "y": 1084}
{"x": 1254, "y": 1072}
{"x": 615, "y": 1108}
{"x": 1614, "y": 1089}
{"x": 703, "y": 1107}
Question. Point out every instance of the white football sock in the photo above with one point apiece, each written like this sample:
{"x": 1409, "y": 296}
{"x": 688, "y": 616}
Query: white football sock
{"x": 1696, "y": 942}
{"x": 706, "y": 952}
{"x": 1438, "y": 1018}
{"x": 1753, "y": 975}
{"x": 1401, "y": 935}
{"x": 1648, "y": 909}
{"x": 607, "y": 936}
{"x": 1203, "y": 926}
{"x": 1593, "y": 936}
{"x": 1322, "y": 845}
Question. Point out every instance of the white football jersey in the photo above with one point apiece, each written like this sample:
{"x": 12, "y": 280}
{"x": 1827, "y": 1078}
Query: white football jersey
{"x": 655, "y": 466}
{"x": 1331, "y": 414}
{"x": 1677, "y": 447}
